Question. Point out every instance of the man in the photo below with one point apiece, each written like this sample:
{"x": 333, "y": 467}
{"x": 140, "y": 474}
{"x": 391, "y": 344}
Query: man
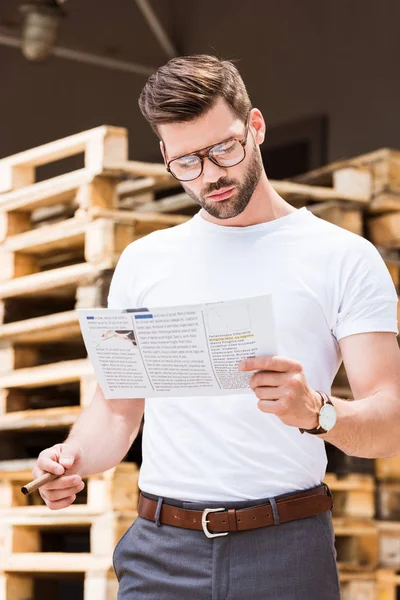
{"x": 232, "y": 503}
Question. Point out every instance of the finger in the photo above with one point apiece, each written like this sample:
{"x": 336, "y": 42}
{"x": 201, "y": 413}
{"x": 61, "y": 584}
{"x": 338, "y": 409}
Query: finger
{"x": 54, "y": 495}
{"x": 66, "y": 481}
{"x": 46, "y": 464}
{"x": 61, "y": 503}
{"x": 267, "y": 393}
{"x": 273, "y": 407}
{"x": 267, "y": 378}
{"x": 268, "y": 363}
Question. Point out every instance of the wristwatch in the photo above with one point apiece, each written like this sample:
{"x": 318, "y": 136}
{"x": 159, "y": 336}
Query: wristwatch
{"x": 326, "y": 416}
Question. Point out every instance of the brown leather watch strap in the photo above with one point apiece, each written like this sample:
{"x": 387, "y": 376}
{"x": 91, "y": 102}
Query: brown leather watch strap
{"x": 297, "y": 506}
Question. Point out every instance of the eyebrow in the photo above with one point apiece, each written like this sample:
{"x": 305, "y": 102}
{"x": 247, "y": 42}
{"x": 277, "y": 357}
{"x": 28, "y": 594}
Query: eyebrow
{"x": 231, "y": 137}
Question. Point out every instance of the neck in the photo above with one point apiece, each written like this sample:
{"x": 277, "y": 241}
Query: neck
{"x": 265, "y": 205}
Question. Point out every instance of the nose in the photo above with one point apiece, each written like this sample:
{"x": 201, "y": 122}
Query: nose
{"x": 211, "y": 171}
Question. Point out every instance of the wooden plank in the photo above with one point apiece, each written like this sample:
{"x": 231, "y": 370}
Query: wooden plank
{"x": 45, "y": 193}
{"x": 354, "y": 495}
{"x": 388, "y": 469}
{"x": 293, "y": 190}
{"x": 43, "y": 418}
{"x": 389, "y": 544}
{"x": 54, "y": 280}
{"x": 388, "y": 500}
{"x": 384, "y": 202}
{"x": 50, "y": 328}
{"x": 16, "y": 265}
{"x": 350, "y": 180}
{"x": 44, "y": 375}
{"x": 17, "y": 357}
{"x": 385, "y": 230}
{"x": 14, "y": 587}
{"x": 102, "y": 146}
{"x": 323, "y": 175}
{"x": 356, "y": 543}
{"x": 388, "y": 584}
{"x": 55, "y": 562}
{"x": 340, "y": 214}
{"x": 128, "y": 216}
{"x": 13, "y": 223}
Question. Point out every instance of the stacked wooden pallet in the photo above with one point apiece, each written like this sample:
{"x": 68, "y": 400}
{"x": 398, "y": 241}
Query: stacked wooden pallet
{"x": 367, "y": 526}
{"x": 60, "y": 240}
{"x": 32, "y": 536}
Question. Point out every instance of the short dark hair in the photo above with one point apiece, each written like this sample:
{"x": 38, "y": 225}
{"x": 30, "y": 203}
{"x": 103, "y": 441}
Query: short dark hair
{"x": 188, "y": 86}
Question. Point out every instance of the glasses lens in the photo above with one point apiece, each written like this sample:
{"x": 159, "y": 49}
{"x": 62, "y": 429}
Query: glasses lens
{"x": 228, "y": 153}
{"x": 186, "y": 168}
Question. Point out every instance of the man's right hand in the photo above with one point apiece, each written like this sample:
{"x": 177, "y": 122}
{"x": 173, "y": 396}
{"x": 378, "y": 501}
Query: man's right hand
{"x": 64, "y": 460}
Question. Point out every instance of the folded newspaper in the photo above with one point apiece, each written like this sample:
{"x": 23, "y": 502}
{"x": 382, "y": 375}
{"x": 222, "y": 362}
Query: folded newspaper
{"x": 191, "y": 350}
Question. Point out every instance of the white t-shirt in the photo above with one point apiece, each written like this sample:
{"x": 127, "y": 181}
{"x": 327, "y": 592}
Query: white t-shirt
{"x": 326, "y": 282}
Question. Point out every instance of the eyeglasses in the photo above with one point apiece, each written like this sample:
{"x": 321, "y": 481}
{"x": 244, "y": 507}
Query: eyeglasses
{"x": 227, "y": 153}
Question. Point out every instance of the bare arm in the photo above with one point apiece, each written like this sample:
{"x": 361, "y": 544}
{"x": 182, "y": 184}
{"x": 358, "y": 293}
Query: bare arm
{"x": 105, "y": 431}
{"x": 369, "y": 426}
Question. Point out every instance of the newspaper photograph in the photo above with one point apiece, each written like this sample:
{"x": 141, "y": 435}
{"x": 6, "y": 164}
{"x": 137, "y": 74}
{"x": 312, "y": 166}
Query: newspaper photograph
{"x": 190, "y": 350}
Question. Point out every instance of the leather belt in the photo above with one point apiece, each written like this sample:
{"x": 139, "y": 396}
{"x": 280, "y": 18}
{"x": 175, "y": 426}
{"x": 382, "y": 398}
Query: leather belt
{"x": 219, "y": 521}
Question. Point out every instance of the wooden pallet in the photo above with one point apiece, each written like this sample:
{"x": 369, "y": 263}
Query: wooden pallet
{"x": 353, "y": 495}
{"x": 389, "y": 544}
{"x": 357, "y": 586}
{"x": 98, "y": 581}
{"x": 356, "y": 544}
{"x": 19, "y": 386}
{"x": 388, "y": 584}
{"x": 115, "y": 489}
{"x": 388, "y": 501}
{"x": 385, "y": 231}
{"x": 388, "y": 469}
{"x": 381, "y": 173}
{"x": 103, "y": 146}
{"x": 97, "y": 237}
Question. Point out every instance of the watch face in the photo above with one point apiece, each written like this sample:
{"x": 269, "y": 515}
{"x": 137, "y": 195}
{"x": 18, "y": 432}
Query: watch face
{"x": 327, "y": 416}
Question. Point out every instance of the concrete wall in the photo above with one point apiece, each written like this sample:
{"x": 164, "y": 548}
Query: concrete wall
{"x": 297, "y": 58}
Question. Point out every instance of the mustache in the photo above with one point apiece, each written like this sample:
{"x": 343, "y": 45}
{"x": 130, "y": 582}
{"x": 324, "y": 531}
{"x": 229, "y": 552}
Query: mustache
{"x": 218, "y": 185}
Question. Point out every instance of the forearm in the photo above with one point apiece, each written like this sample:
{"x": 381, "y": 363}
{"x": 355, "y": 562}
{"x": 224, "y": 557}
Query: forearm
{"x": 104, "y": 433}
{"x": 367, "y": 427}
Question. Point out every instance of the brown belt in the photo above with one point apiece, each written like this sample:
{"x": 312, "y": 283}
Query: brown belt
{"x": 219, "y": 521}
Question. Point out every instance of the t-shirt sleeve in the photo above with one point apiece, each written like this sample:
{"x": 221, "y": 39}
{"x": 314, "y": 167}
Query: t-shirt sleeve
{"x": 367, "y": 298}
{"x": 118, "y": 294}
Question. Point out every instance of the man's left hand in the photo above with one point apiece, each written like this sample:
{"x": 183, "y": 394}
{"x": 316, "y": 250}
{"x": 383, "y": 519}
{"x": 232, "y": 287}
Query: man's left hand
{"x": 282, "y": 389}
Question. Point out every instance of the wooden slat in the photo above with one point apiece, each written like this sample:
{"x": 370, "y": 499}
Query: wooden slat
{"x": 43, "y": 418}
{"x": 55, "y": 562}
{"x": 52, "y": 281}
{"x": 45, "y": 193}
{"x": 50, "y": 328}
{"x": 52, "y": 374}
{"x": 323, "y": 175}
{"x": 62, "y": 148}
{"x": 385, "y": 230}
{"x": 292, "y": 191}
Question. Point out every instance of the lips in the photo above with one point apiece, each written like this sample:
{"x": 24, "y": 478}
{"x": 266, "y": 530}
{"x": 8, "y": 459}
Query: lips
{"x": 221, "y": 194}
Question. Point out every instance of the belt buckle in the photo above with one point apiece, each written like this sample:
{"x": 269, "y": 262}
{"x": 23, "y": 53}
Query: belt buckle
{"x": 204, "y": 522}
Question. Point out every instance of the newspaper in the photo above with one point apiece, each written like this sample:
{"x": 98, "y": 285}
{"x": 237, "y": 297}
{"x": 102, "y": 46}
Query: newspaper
{"x": 191, "y": 350}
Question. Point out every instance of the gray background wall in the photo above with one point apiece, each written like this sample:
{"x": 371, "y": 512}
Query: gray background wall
{"x": 298, "y": 58}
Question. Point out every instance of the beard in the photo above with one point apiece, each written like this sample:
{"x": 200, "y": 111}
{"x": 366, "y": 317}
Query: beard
{"x": 235, "y": 204}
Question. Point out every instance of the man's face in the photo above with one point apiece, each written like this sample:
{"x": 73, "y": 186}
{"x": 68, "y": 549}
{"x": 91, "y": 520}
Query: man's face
{"x": 223, "y": 192}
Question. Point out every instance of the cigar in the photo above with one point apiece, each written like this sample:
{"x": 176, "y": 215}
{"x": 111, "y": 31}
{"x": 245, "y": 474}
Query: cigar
{"x": 34, "y": 485}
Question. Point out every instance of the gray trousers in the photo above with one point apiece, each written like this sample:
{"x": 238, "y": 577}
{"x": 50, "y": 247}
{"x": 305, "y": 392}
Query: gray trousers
{"x": 287, "y": 561}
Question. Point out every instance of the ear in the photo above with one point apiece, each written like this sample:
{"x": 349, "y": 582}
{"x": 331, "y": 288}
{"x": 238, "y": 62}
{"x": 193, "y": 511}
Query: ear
{"x": 258, "y": 126}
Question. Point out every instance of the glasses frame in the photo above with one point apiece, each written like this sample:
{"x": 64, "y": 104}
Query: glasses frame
{"x": 205, "y": 152}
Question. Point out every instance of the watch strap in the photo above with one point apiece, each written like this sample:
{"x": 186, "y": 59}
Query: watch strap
{"x": 318, "y": 430}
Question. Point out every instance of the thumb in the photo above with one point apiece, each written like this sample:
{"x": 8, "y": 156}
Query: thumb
{"x": 70, "y": 453}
